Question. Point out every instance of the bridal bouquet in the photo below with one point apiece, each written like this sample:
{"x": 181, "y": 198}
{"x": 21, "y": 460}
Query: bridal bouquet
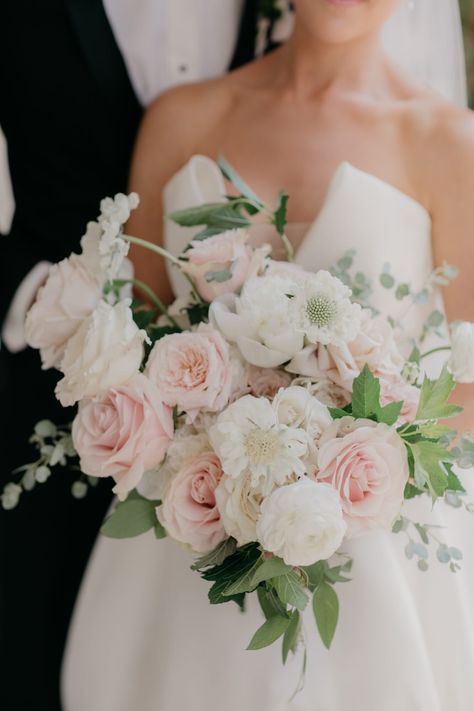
{"x": 261, "y": 422}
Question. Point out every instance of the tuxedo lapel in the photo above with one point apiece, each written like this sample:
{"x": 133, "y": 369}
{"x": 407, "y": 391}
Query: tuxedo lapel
{"x": 245, "y": 47}
{"x": 101, "y": 52}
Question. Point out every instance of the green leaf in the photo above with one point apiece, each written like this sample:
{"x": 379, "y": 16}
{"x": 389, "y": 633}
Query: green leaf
{"x": 316, "y": 573}
{"x": 432, "y": 430}
{"x": 271, "y": 568}
{"x": 411, "y": 491}
{"x": 160, "y": 531}
{"x": 390, "y": 413}
{"x": 415, "y": 356}
{"x": 217, "y": 556}
{"x": 230, "y": 570}
{"x": 230, "y": 174}
{"x": 269, "y": 632}
{"x": 245, "y": 582}
{"x": 197, "y": 313}
{"x": 270, "y": 603}
{"x": 131, "y": 517}
{"x": 429, "y": 460}
{"x": 326, "y": 612}
{"x": 454, "y": 483}
{"x": 387, "y": 280}
{"x": 336, "y": 412}
{"x": 290, "y": 590}
{"x": 291, "y": 636}
{"x": 422, "y": 533}
{"x": 195, "y": 216}
{"x": 402, "y": 291}
{"x": 434, "y": 395}
{"x": 279, "y": 217}
{"x": 144, "y": 317}
{"x": 365, "y": 394}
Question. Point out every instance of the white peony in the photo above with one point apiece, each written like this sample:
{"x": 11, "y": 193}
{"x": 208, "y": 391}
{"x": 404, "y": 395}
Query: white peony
{"x": 239, "y": 507}
{"x": 103, "y": 248}
{"x": 302, "y": 522}
{"x": 462, "y": 356}
{"x": 323, "y": 311}
{"x": 260, "y": 321}
{"x": 296, "y": 407}
{"x": 68, "y": 296}
{"x": 248, "y": 437}
{"x": 106, "y": 351}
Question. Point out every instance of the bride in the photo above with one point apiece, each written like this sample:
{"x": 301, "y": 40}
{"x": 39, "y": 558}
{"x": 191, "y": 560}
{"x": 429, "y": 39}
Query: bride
{"x": 375, "y": 163}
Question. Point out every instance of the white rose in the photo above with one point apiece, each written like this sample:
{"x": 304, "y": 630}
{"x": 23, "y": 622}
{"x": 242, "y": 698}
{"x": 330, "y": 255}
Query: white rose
{"x": 239, "y": 507}
{"x": 259, "y": 321}
{"x": 302, "y": 522}
{"x": 296, "y": 407}
{"x": 462, "y": 356}
{"x": 69, "y": 295}
{"x": 106, "y": 351}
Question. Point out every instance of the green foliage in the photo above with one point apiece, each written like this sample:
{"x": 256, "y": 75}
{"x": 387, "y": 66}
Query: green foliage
{"x": 271, "y": 568}
{"x": 434, "y": 396}
{"x": 197, "y": 313}
{"x": 217, "y": 556}
{"x": 269, "y": 602}
{"x": 291, "y": 636}
{"x": 290, "y": 590}
{"x": 230, "y": 174}
{"x": 229, "y": 572}
{"x": 131, "y": 517}
{"x": 269, "y": 632}
{"x": 430, "y": 470}
{"x": 326, "y": 612}
{"x": 279, "y": 217}
{"x": 366, "y": 400}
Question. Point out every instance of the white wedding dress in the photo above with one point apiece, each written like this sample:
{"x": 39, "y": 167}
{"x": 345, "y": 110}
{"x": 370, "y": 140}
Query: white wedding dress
{"x": 144, "y": 637}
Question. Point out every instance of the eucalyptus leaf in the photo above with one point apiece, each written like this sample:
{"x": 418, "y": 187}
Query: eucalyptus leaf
{"x": 326, "y": 612}
{"x": 195, "y": 216}
{"x": 231, "y": 174}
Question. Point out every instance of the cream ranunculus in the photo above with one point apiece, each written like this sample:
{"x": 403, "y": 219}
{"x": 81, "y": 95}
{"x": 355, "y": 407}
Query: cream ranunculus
{"x": 259, "y": 321}
{"x": 239, "y": 506}
{"x": 106, "y": 351}
{"x": 302, "y": 522}
{"x": 296, "y": 407}
{"x": 462, "y": 356}
{"x": 69, "y": 296}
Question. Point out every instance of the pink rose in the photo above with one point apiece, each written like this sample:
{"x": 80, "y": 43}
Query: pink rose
{"x": 189, "y": 512}
{"x": 192, "y": 370}
{"x": 367, "y": 463}
{"x": 395, "y": 389}
{"x": 213, "y": 259}
{"x": 374, "y": 345}
{"x": 123, "y": 433}
{"x": 266, "y": 382}
{"x": 69, "y": 295}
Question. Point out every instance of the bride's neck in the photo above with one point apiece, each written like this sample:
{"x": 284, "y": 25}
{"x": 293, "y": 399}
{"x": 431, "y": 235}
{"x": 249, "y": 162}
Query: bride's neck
{"x": 309, "y": 68}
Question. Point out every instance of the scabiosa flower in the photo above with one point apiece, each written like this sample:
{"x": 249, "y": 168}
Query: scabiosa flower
{"x": 248, "y": 438}
{"x": 323, "y": 311}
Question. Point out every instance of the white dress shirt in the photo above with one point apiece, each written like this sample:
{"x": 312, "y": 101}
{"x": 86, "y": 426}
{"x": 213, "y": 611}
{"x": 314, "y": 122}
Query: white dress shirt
{"x": 163, "y": 43}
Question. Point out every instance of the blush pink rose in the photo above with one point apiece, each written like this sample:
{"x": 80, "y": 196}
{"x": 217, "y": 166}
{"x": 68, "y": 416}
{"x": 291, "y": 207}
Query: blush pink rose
{"x": 69, "y": 295}
{"x": 189, "y": 512}
{"x": 192, "y": 370}
{"x": 366, "y": 463}
{"x": 210, "y": 259}
{"x": 266, "y": 382}
{"x": 395, "y": 389}
{"x": 123, "y": 433}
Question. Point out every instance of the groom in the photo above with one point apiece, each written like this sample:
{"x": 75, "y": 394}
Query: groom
{"x": 75, "y": 76}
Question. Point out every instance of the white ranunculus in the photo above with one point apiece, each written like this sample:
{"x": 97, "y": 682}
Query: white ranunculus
{"x": 296, "y": 407}
{"x": 302, "y": 522}
{"x": 462, "y": 356}
{"x": 68, "y": 296}
{"x": 239, "y": 507}
{"x": 106, "y": 351}
{"x": 248, "y": 438}
{"x": 103, "y": 248}
{"x": 259, "y": 321}
{"x": 323, "y": 311}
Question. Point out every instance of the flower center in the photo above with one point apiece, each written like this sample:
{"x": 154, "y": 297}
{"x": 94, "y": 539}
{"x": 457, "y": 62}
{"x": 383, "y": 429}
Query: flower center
{"x": 262, "y": 446}
{"x": 321, "y": 310}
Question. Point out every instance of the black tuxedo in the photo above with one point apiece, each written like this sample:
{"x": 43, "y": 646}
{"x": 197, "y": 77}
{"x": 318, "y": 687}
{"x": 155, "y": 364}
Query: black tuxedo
{"x": 69, "y": 115}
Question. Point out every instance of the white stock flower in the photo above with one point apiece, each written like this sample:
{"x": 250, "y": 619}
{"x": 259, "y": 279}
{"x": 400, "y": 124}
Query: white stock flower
{"x": 462, "y": 355}
{"x": 260, "y": 321}
{"x": 248, "y": 437}
{"x": 239, "y": 507}
{"x": 103, "y": 248}
{"x": 106, "y": 351}
{"x": 302, "y": 522}
{"x": 323, "y": 311}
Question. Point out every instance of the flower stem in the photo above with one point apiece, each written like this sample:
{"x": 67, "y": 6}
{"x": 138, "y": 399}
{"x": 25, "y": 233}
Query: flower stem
{"x": 167, "y": 255}
{"x": 435, "y": 350}
{"x": 151, "y": 295}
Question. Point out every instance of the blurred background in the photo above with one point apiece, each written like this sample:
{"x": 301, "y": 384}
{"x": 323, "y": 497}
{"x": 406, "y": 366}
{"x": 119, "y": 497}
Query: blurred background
{"x": 467, "y": 9}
